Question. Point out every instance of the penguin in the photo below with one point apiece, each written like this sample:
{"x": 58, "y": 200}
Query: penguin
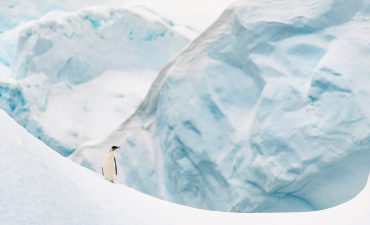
{"x": 109, "y": 168}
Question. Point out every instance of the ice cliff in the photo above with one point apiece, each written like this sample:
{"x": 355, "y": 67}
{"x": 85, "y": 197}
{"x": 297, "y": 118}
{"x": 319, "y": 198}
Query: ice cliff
{"x": 70, "y": 78}
{"x": 267, "y": 110}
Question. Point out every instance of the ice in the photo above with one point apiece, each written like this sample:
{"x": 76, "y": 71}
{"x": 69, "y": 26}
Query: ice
{"x": 265, "y": 111}
{"x": 76, "y": 76}
{"x": 14, "y": 13}
{"x": 79, "y": 43}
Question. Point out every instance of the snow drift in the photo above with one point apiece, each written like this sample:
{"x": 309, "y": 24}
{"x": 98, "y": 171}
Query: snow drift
{"x": 38, "y": 186}
{"x": 79, "y": 74}
{"x": 268, "y": 110}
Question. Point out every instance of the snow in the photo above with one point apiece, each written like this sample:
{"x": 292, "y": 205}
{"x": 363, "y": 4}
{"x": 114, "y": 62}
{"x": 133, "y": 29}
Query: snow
{"x": 76, "y": 66}
{"x": 39, "y": 186}
{"x": 265, "y": 111}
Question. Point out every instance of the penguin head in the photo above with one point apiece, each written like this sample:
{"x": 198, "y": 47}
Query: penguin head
{"x": 114, "y": 148}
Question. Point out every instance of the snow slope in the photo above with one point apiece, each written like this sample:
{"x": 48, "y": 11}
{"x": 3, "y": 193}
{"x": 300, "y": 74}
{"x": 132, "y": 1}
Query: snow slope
{"x": 265, "y": 111}
{"x": 88, "y": 69}
{"x": 41, "y": 187}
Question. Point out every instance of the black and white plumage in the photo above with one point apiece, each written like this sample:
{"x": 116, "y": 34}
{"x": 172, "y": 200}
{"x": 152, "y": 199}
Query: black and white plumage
{"x": 109, "y": 168}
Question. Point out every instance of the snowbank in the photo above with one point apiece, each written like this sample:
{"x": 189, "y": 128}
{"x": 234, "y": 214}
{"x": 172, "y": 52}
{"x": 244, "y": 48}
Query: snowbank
{"x": 41, "y": 187}
{"x": 265, "y": 111}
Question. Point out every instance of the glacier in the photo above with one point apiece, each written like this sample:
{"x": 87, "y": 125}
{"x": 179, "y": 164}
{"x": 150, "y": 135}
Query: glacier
{"x": 267, "y": 110}
{"x": 70, "y": 78}
{"x": 39, "y": 186}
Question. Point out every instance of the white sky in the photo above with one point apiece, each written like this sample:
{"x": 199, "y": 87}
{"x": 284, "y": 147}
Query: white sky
{"x": 198, "y": 14}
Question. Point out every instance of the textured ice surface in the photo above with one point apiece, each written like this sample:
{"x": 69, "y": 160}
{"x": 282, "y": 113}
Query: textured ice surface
{"x": 80, "y": 46}
{"x": 268, "y": 110}
{"x": 78, "y": 75}
{"x": 14, "y": 12}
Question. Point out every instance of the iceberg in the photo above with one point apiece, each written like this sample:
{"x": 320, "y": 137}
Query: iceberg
{"x": 77, "y": 75}
{"x": 267, "y": 110}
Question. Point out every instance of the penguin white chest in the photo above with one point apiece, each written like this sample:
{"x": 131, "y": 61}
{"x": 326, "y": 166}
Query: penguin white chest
{"x": 109, "y": 167}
